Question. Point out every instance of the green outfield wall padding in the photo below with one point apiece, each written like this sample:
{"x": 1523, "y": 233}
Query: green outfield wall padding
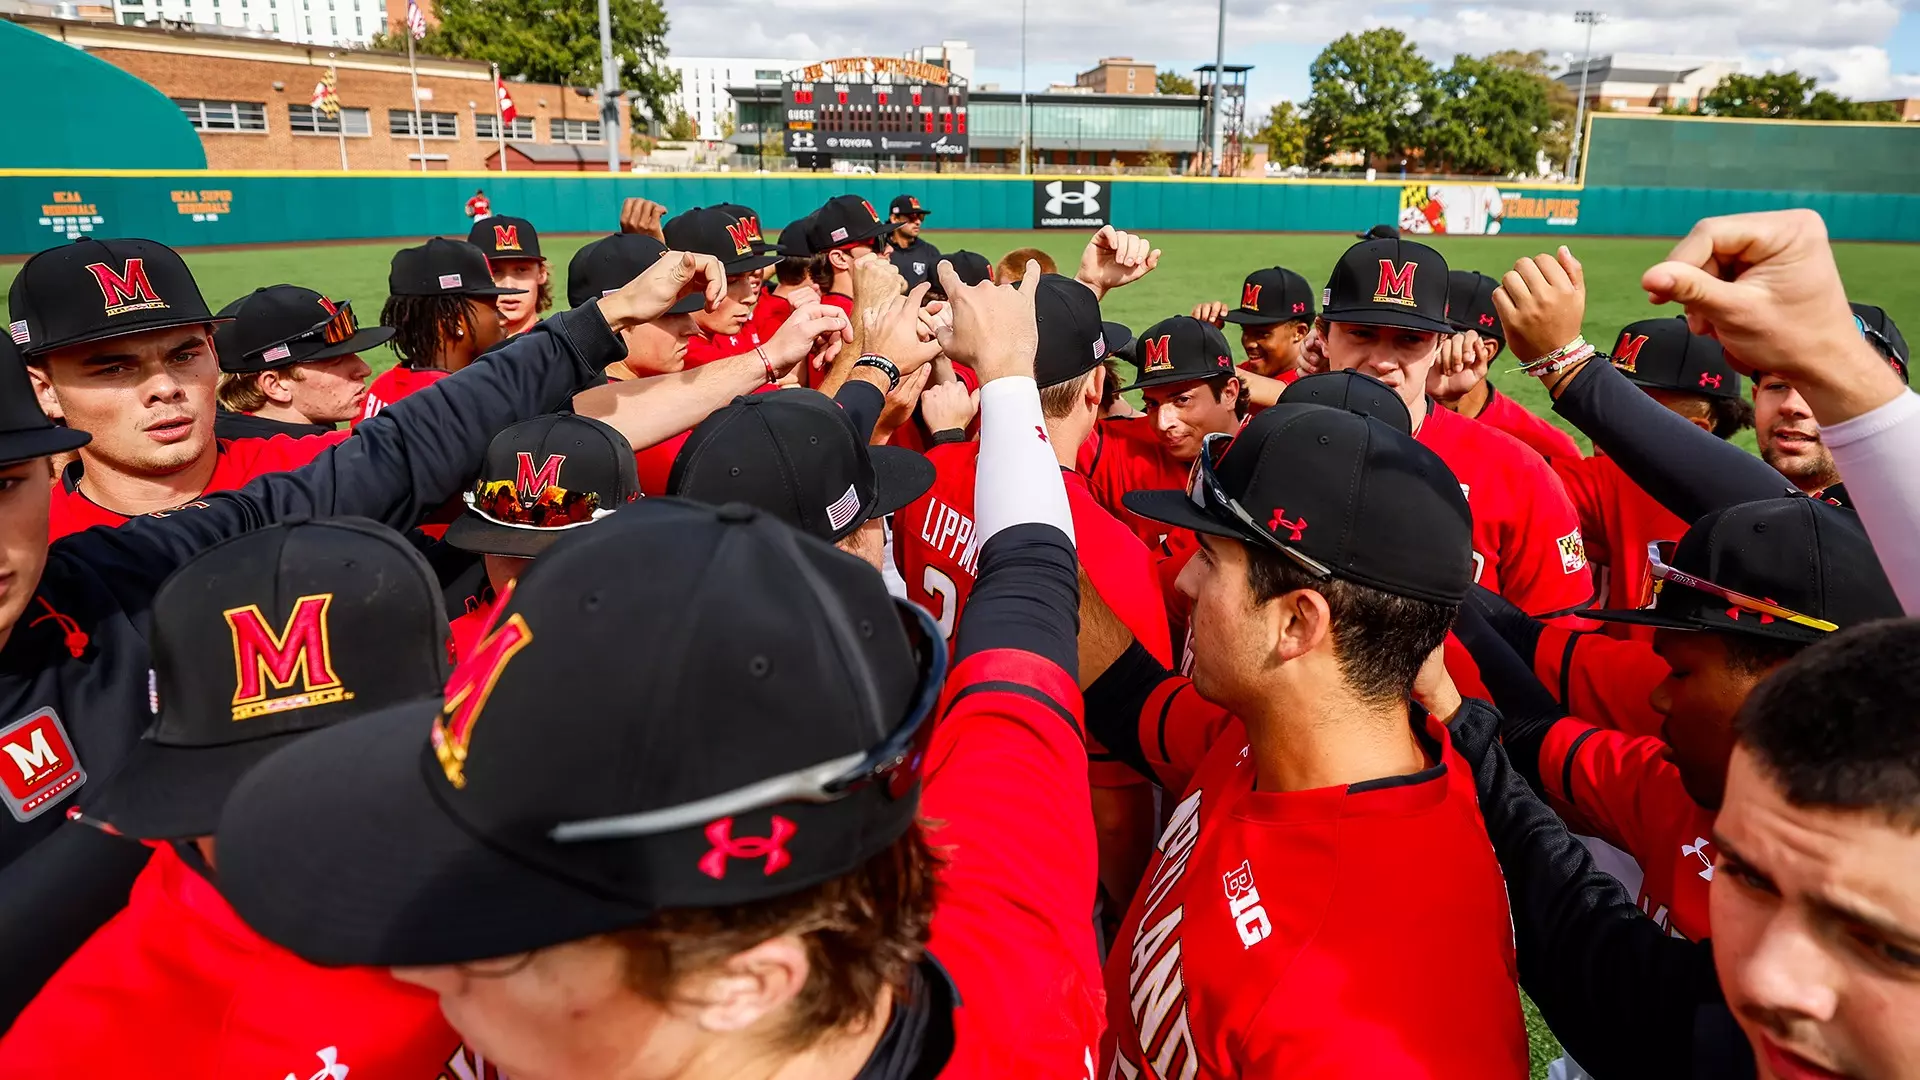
{"x": 1753, "y": 155}
{"x": 207, "y": 208}
{"x": 98, "y": 116}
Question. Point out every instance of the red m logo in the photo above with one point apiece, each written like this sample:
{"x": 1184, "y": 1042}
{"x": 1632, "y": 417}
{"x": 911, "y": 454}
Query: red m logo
{"x": 468, "y": 690}
{"x": 1626, "y": 355}
{"x": 1249, "y": 296}
{"x": 1154, "y": 350}
{"x": 265, "y": 660}
{"x": 742, "y": 239}
{"x": 1396, "y": 282}
{"x": 528, "y": 482}
{"x": 506, "y": 237}
{"x": 128, "y": 290}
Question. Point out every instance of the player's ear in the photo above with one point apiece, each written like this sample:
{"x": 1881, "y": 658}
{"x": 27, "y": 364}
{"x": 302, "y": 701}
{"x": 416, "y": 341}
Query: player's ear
{"x": 1303, "y": 623}
{"x": 1096, "y": 389}
{"x": 43, "y": 392}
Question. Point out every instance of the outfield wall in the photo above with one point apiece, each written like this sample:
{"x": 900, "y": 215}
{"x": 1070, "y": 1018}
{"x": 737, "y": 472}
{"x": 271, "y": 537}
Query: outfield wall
{"x": 185, "y": 208}
{"x": 1625, "y": 150}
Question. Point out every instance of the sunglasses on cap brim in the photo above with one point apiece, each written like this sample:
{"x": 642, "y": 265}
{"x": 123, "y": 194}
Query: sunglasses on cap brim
{"x": 1660, "y": 571}
{"x": 895, "y": 761}
{"x": 1205, "y": 492}
{"x": 1881, "y": 344}
{"x": 335, "y": 329}
{"x": 554, "y": 507}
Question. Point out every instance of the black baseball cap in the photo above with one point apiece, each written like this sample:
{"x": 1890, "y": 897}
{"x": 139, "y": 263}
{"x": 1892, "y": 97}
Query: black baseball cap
{"x": 751, "y": 217}
{"x": 1389, "y": 283}
{"x": 91, "y": 290}
{"x": 970, "y": 266}
{"x": 1380, "y": 232}
{"x": 1879, "y": 328}
{"x": 609, "y": 263}
{"x": 1470, "y": 304}
{"x": 261, "y": 639}
{"x": 1662, "y": 354}
{"x": 1073, "y": 340}
{"x": 1180, "y": 349}
{"x": 618, "y": 743}
{"x": 544, "y": 478}
{"x": 1354, "y": 392}
{"x": 795, "y": 240}
{"x": 281, "y": 325}
{"x": 845, "y": 220}
{"x": 442, "y": 267}
{"x": 796, "y": 454}
{"x": 25, "y": 431}
{"x": 1370, "y": 503}
{"x": 1273, "y": 295}
{"x": 503, "y": 237}
{"x": 906, "y": 204}
{"x": 1120, "y": 341}
{"x": 733, "y": 241}
{"x": 1802, "y": 554}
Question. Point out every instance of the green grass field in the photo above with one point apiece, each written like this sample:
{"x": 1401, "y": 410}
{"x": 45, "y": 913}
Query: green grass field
{"x": 1195, "y": 267}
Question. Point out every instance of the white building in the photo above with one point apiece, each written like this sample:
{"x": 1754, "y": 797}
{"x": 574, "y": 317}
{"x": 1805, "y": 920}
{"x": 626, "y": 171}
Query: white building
{"x": 955, "y": 56}
{"x": 1646, "y": 82}
{"x": 704, "y": 81}
{"x": 308, "y": 22}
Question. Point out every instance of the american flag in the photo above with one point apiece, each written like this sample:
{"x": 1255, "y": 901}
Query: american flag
{"x": 326, "y": 96}
{"x": 416, "y": 21}
{"x": 844, "y": 509}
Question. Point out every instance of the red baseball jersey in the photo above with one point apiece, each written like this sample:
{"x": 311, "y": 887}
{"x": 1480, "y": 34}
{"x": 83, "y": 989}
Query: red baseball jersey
{"x": 465, "y": 632}
{"x": 1618, "y": 520}
{"x": 240, "y": 460}
{"x": 1603, "y": 679}
{"x": 1288, "y": 376}
{"x": 1520, "y": 422}
{"x": 1006, "y": 779}
{"x": 1273, "y": 936}
{"x": 705, "y": 349}
{"x": 1626, "y": 790}
{"x": 770, "y": 313}
{"x": 1526, "y": 538}
{"x": 177, "y": 985}
{"x": 1126, "y": 455}
{"x": 394, "y": 384}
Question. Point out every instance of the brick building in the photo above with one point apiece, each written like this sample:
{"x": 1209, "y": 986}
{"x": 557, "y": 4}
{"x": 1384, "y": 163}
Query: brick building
{"x": 1117, "y": 75}
{"x": 249, "y": 99}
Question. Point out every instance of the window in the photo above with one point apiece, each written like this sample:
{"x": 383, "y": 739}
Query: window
{"x": 306, "y": 120}
{"x": 358, "y": 29}
{"x": 434, "y": 125}
{"x": 224, "y": 115}
{"x": 276, "y": 24}
{"x": 521, "y": 130}
{"x": 574, "y": 131}
{"x": 766, "y": 75}
{"x": 334, "y": 26}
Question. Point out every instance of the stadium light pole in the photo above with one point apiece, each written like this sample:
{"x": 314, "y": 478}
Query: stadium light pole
{"x": 1026, "y": 116}
{"x": 1219, "y": 71}
{"x": 1590, "y": 19}
{"x": 609, "y": 99}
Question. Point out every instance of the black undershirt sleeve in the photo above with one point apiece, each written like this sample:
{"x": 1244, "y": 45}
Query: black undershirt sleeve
{"x": 1527, "y": 711}
{"x": 863, "y": 403}
{"x": 1114, "y": 703}
{"x": 1027, "y": 597}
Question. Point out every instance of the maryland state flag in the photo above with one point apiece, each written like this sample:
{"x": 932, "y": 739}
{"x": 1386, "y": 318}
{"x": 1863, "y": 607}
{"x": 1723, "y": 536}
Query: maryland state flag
{"x": 326, "y": 97}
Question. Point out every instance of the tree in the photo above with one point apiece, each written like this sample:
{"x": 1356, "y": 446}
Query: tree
{"x": 1557, "y": 141}
{"x": 555, "y": 41}
{"x": 681, "y": 127}
{"x": 1486, "y": 119}
{"x": 1775, "y": 95}
{"x": 1171, "y": 82}
{"x": 1368, "y": 93}
{"x": 1285, "y": 133}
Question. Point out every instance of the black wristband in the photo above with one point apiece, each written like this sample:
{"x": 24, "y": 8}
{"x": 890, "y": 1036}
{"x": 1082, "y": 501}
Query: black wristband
{"x": 947, "y": 435}
{"x": 884, "y": 366}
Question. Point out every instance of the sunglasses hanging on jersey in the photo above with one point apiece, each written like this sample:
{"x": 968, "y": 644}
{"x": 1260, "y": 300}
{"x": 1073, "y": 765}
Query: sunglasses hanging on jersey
{"x": 896, "y": 761}
{"x": 1660, "y": 571}
{"x": 1205, "y": 492}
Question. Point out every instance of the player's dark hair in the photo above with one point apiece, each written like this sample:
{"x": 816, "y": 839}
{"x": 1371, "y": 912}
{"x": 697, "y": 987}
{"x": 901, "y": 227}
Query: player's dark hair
{"x": 421, "y": 326}
{"x": 1379, "y": 639}
{"x": 864, "y": 931}
{"x": 793, "y": 270}
{"x": 1835, "y": 728}
{"x": 1751, "y": 654}
{"x": 1240, "y": 404}
{"x": 820, "y": 269}
{"x": 1729, "y": 415}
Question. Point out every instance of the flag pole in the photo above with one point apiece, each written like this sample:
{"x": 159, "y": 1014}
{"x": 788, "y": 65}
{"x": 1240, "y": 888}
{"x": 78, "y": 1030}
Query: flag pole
{"x": 499, "y": 119}
{"x": 340, "y": 114}
{"x": 419, "y": 133}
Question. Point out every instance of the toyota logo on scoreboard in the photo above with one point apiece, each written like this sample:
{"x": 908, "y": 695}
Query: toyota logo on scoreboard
{"x": 1071, "y": 204}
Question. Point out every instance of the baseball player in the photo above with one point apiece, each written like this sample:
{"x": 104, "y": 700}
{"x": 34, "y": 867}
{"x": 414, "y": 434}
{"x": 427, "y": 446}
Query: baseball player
{"x": 1385, "y": 315}
{"x": 442, "y": 306}
{"x": 512, "y": 248}
{"x": 350, "y": 613}
{"x": 1459, "y": 379}
{"x": 120, "y": 347}
{"x": 74, "y": 616}
{"x": 727, "y": 331}
{"x": 290, "y": 364}
{"x": 841, "y": 233}
{"x": 811, "y": 686}
{"x": 913, "y": 256}
{"x": 1275, "y": 316}
{"x": 1267, "y": 938}
{"x": 1789, "y": 437}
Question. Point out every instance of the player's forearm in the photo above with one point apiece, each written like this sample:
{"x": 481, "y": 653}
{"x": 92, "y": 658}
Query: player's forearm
{"x": 1875, "y": 453}
{"x": 651, "y": 410}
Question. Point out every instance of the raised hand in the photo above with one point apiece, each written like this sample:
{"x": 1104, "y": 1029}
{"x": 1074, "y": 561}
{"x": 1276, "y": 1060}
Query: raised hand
{"x": 799, "y": 336}
{"x": 1211, "y": 311}
{"x": 1541, "y": 302}
{"x": 643, "y": 216}
{"x": 892, "y": 329}
{"x": 672, "y": 276}
{"x": 1114, "y": 258}
{"x": 993, "y": 327}
{"x": 949, "y": 405}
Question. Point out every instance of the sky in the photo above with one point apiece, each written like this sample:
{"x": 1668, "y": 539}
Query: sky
{"x": 1859, "y": 48}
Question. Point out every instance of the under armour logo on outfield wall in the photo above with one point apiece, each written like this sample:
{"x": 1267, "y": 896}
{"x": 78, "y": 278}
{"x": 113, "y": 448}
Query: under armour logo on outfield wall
{"x": 1085, "y": 200}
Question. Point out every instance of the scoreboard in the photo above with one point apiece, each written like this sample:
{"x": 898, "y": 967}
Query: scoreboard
{"x": 875, "y": 106}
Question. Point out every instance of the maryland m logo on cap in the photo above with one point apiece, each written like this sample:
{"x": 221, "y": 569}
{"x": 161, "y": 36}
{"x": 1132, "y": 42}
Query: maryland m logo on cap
{"x": 1626, "y": 355}
{"x": 742, "y": 239}
{"x": 1250, "y": 296}
{"x": 267, "y": 661}
{"x": 506, "y": 238}
{"x": 1396, "y": 283}
{"x": 467, "y": 692}
{"x": 126, "y": 290}
{"x": 529, "y": 482}
{"x": 1154, "y": 354}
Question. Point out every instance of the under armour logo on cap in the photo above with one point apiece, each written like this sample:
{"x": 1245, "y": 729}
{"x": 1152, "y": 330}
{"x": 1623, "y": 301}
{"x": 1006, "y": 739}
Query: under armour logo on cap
{"x": 772, "y": 847}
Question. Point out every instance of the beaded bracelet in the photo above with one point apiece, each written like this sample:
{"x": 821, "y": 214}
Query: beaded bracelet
{"x": 1561, "y": 363}
{"x": 1557, "y": 359}
{"x": 771, "y": 377}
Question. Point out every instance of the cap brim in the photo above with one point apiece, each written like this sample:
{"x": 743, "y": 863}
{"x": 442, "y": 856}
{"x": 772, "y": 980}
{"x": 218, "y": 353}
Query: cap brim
{"x": 361, "y": 341}
{"x": 491, "y": 290}
{"x": 747, "y": 264}
{"x": 899, "y": 477}
{"x": 471, "y": 532}
{"x": 1405, "y": 320}
{"x": 1778, "y": 630}
{"x": 688, "y": 304}
{"x": 338, "y": 849}
{"x": 17, "y": 446}
{"x": 1174, "y": 508}
{"x": 1162, "y": 378}
{"x": 39, "y": 347}
{"x": 167, "y": 792}
{"x": 1254, "y": 318}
